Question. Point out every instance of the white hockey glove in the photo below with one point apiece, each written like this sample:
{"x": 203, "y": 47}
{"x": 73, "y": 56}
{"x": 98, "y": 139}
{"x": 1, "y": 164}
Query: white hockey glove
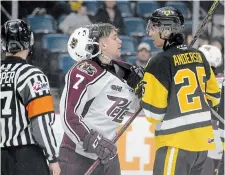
{"x": 103, "y": 147}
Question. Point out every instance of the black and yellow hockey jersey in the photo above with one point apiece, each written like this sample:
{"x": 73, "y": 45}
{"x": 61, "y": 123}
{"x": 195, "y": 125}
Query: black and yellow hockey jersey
{"x": 180, "y": 86}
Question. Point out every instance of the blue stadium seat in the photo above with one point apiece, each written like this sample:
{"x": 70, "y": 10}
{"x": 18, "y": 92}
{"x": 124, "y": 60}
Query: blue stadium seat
{"x": 150, "y": 42}
{"x": 180, "y": 6}
{"x": 134, "y": 26}
{"x": 145, "y": 8}
{"x": 42, "y": 24}
{"x": 92, "y": 7}
{"x": 65, "y": 62}
{"x": 129, "y": 46}
{"x": 125, "y": 8}
{"x": 131, "y": 60}
{"x": 55, "y": 42}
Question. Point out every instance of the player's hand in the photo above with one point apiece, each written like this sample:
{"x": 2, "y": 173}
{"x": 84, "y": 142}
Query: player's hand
{"x": 140, "y": 89}
{"x": 135, "y": 76}
{"x": 54, "y": 168}
{"x": 103, "y": 147}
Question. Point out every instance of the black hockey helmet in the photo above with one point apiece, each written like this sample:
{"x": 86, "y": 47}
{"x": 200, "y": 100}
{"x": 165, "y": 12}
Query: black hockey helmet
{"x": 16, "y": 36}
{"x": 166, "y": 19}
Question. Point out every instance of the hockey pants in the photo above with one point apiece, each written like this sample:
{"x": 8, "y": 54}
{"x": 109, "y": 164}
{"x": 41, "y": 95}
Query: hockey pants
{"x": 175, "y": 161}
{"x": 72, "y": 163}
{"x": 23, "y": 160}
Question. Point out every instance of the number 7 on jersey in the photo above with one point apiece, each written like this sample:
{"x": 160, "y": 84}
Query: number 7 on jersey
{"x": 80, "y": 79}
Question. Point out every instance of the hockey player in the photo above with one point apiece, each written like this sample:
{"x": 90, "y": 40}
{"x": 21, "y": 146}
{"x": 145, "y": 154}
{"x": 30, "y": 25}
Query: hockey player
{"x": 214, "y": 57}
{"x": 221, "y": 129}
{"x": 27, "y": 112}
{"x": 175, "y": 82}
{"x": 98, "y": 93}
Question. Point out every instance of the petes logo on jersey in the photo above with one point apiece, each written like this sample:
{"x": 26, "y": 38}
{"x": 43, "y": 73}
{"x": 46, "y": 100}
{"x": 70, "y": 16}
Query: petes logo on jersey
{"x": 87, "y": 68}
{"x": 118, "y": 109}
{"x": 39, "y": 86}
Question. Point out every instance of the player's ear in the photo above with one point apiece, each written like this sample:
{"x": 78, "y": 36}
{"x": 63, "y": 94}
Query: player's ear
{"x": 102, "y": 44}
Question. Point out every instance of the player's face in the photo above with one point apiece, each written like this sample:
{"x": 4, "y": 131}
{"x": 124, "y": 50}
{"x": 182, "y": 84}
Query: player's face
{"x": 153, "y": 33}
{"x": 111, "y": 46}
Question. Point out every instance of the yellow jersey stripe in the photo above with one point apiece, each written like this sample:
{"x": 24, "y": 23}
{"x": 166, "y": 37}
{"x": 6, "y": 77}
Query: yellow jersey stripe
{"x": 166, "y": 161}
{"x": 171, "y": 159}
{"x": 214, "y": 101}
{"x": 155, "y": 93}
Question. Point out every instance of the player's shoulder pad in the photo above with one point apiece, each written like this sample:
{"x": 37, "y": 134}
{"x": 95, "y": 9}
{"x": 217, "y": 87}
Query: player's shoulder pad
{"x": 87, "y": 68}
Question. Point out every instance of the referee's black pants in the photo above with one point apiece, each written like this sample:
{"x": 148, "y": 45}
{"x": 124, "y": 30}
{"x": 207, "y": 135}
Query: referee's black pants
{"x": 23, "y": 160}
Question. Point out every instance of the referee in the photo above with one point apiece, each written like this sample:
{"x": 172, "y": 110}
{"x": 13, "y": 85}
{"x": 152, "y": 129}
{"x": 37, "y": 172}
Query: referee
{"x": 27, "y": 112}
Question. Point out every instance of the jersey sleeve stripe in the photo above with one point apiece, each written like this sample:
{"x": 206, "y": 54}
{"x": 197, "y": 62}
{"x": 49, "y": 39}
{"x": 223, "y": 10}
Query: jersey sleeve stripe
{"x": 157, "y": 117}
{"x": 49, "y": 133}
{"x": 214, "y": 101}
{"x": 216, "y": 95}
{"x": 154, "y": 97}
{"x": 153, "y": 109}
{"x": 45, "y": 137}
{"x": 39, "y": 106}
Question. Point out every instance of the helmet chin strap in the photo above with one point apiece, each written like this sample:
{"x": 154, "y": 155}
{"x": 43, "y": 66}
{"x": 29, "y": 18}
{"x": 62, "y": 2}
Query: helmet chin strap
{"x": 166, "y": 41}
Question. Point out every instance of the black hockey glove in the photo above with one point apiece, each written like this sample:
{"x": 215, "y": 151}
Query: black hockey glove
{"x": 135, "y": 76}
{"x": 140, "y": 89}
{"x": 103, "y": 147}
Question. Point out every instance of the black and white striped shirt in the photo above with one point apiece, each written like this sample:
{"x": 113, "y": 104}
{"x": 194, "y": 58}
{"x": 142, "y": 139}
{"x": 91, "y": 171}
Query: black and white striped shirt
{"x": 27, "y": 112}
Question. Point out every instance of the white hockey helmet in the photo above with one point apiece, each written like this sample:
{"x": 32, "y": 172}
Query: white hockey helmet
{"x": 80, "y": 46}
{"x": 212, "y": 54}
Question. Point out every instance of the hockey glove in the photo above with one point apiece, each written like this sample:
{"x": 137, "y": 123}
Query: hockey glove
{"x": 140, "y": 89}
{"x": 135, "y": 76}
{"x": 103, "y": 147}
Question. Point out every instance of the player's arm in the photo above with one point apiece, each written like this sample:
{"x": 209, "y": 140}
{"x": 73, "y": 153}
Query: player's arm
{"x": 154, "y": 99}
{"x": 212, "y": 90}
{"x": 75, "y": 95}
{"x": 35, "y": 95}
{"x": 76, "y": 99}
